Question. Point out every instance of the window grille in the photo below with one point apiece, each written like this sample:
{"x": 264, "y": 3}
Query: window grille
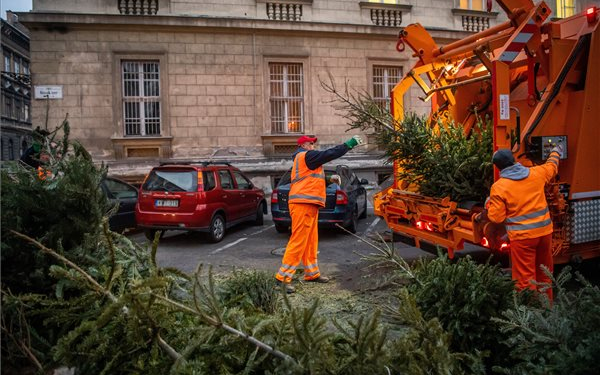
{"x": 141, "y": 98}
{"x": 565, "y": 8}
{"x": 286, "y": 83}
{"x": 384, "y": 80}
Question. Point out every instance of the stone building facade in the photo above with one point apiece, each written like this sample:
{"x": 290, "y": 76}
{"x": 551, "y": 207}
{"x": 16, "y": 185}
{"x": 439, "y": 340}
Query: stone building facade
{"x": 147, "y": 81}
{"x": 16, "y": 90}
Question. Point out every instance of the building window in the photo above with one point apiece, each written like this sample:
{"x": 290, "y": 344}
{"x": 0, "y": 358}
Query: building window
{"x": 25, "y": 67}
{"x": 141, "y": 98}
{"x": 565, "y": 8}
{"x": 18, "y": 109}
{"x": 471, "y": 4}
{"x": 8, "y": 106}
{"x": 7, "y": 63}
{"x": 26, "y": 111}
{"x": 384, "y": 80}
{"x": 384, "y": 1}
{"x": 11, "y": 150}
{"x": 17, "y": 65}
{"x": 286, "y": 96}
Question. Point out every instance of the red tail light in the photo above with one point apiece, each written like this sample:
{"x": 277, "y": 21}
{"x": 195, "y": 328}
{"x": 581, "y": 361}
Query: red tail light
{"x": 591, "y": 14}
{"x": 341, "y": 197}
{"x": 274, "y": 198}
{"x": 423, "y": 225}
{"x": 485, "y": 242}
{"x": 200, "y": 182}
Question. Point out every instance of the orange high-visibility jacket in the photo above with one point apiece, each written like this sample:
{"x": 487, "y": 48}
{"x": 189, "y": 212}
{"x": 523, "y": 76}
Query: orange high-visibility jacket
{"x": 518, "y": 199}
{"x": 308, "y": 185}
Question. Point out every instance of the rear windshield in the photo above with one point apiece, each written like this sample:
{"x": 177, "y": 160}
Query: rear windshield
{"x": 171, "y": 181}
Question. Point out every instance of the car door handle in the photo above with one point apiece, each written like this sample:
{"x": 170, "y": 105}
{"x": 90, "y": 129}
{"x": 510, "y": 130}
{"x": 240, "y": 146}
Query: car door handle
{"x": 224, "y": 196}
{"x": 243, "y": 195}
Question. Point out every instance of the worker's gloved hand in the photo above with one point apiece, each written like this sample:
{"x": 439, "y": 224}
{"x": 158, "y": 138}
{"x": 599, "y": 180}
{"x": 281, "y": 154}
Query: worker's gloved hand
{"x": 558, "y": 148}
{"x": 354, "y": 141}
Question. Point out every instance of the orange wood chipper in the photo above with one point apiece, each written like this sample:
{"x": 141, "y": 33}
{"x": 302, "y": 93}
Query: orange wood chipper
{"x": 539, "y": 81}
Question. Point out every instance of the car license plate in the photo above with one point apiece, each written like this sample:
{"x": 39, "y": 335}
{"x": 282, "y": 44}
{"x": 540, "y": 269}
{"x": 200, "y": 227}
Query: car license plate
{"x": 167, "y": 203}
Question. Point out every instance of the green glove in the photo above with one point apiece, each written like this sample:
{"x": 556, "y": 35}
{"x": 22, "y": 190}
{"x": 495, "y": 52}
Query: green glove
{"x": 354, "y": 141}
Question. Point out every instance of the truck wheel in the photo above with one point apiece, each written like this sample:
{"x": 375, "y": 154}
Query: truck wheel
{"x": 216, "y": 231}
{"x": 260, "y": 219}
{"x": 281, "y": 228}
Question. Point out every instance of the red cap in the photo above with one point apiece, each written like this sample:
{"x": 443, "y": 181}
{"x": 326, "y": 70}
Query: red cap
{"x": 306, "y": 138}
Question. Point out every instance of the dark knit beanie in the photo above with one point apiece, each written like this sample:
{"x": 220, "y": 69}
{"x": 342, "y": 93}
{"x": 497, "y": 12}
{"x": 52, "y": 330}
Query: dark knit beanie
{"x": 503, "y": 158}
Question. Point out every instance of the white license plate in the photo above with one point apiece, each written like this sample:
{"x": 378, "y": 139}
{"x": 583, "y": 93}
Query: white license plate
{"x": 167, "y": 203}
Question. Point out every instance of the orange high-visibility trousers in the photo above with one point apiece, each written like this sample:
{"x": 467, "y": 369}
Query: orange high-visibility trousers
{"x": 303, "y": 243}
{"x": 526, "y": 256}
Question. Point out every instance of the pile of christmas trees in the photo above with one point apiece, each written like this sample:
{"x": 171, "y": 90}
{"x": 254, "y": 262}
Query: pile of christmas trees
{"x": 75, "y": 294}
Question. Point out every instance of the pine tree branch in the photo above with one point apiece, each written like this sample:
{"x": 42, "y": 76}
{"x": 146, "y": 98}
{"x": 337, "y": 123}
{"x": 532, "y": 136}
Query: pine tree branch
{"x": 111, "y": 251}
{"x": 216, "y": 323}
{"x": 388, "y": 253}
{"x": 95, "y": 285}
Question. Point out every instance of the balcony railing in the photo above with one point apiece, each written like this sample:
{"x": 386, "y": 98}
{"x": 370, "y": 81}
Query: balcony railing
{"x": 475, "y": 23}
{"x": 138, "y": 7}
{"x": 385, "y": 14}
{"x": 473, "y": 20}
{"x": 284, "y": 11}
{"x": 386, "y": 17}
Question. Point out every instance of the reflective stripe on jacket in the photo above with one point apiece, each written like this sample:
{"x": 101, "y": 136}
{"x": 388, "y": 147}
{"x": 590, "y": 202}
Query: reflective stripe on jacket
{"x": 521, "y": 203}
{"x": 307, "y": 185}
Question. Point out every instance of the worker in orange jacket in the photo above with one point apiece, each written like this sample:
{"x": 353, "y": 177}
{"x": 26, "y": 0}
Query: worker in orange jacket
{"x": 518, "y": 200}
{"x": 306, "y": 197}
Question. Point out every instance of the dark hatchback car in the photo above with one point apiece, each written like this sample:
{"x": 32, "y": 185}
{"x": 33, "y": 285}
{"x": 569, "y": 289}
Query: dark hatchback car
{"x": 343, "y": 206}
{"x": 204, "y": 197}
{"x": 125, "y": 195}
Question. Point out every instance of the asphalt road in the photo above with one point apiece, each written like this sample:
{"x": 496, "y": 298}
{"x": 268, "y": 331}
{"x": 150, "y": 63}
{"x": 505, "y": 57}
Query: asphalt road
{"x": 261, "y": 247}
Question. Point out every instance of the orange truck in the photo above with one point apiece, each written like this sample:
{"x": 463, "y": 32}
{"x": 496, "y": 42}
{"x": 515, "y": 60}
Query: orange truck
{"x": 539, "y": 82}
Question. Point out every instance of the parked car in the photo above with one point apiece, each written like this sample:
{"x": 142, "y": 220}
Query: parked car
{"x": 125, "y": 195}
{"x": 343, "y": 205}
{"x": 205, "y": 197}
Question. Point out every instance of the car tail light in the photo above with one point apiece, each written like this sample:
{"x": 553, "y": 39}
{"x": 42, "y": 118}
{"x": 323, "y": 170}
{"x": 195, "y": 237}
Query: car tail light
{"x": 274, "y": 198}
{"x": 200, "y": 182}
{"x": 341, "y": 197}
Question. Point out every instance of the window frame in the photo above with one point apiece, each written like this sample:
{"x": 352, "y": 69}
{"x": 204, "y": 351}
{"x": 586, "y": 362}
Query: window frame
{"x": 399, "y": 64}
{"x": 136, "y": 97}
{"x": 564, "y": 11}
{"x": 237, "y": 174}
{"x": 470, "y": 5}
{"x": 303, "y": 61}
{"x": 118, "y": 114}
{"x": 221, "y": 172}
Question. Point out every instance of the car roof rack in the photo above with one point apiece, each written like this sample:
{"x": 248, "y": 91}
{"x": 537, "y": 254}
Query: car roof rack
{"x": 204, "y": 163}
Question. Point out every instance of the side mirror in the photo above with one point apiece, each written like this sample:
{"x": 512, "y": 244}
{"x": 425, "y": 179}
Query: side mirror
{"x": 364, "y": 181}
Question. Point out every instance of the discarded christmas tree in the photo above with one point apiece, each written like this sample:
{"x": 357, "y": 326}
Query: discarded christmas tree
{"x": 436, "y": 156}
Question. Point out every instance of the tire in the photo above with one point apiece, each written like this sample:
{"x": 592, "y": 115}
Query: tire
{"x": 281, "y": 228}
{"x": 216, "y": 231}
{"x": 150, "y": 233}
{"x": 364, "y": 213}
{"x": 353, "y": 225}
{"x": 260, "y": 217}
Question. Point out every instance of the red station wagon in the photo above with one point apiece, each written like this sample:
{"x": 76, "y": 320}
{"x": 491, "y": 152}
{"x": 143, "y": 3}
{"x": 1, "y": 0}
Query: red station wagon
{"x": 206, "y": 197}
